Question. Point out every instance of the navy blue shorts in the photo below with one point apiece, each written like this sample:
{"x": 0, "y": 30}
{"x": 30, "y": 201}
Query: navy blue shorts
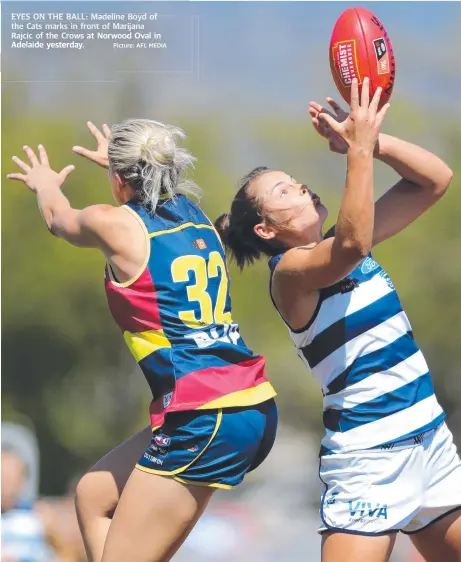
{"x": 212, "y": 447}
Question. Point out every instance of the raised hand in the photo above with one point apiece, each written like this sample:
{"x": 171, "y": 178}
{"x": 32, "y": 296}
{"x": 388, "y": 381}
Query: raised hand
{"x": 335, "y": 142}
{"x": 38, "y": 174}
{"x": 361, "y": 127}
{"x": 99, "y": 156}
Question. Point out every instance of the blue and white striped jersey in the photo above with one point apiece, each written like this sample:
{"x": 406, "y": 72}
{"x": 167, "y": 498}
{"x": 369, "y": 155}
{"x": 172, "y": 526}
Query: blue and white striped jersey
{"x": 359, "y": 346}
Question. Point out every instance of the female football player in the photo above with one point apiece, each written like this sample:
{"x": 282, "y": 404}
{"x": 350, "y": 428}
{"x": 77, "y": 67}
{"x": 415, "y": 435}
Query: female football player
{"x": 387, "y": 461}
{"x": 213, "y": 416}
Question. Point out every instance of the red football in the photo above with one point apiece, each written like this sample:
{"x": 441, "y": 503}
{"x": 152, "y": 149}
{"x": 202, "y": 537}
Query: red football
{"x": 360, "y": 46}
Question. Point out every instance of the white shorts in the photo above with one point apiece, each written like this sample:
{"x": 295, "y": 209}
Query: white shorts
{"x": 405, "y": 488}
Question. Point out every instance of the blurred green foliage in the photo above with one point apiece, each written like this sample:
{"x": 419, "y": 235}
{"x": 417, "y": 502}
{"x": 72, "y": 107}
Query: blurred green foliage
{"x": 65, "y": 365}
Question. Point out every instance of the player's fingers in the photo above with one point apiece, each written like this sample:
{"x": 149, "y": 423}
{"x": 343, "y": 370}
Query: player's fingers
{"x": 95, "y": 131}
{"x": 365, "y": 101}
{"x": 31, "y": 154}
{"x": 354, "y": 94}
{"x": 335, "y": 106}
{"x": 320, "y": 108}
{"x": 43, "y": 155}
{"x": 375, "y": 101}
{"x": 24, "y": 167}
{"x": 66, "y": 171}
{"x": 382, "y": 114}
{"x": 330, "y": 121}
{"x": 83, "y": 152}
{"x": 320, "y": 127}
{"x": 316, "y": 106}
{"x": 106, "y": 131}
{"x": 324, "y": 129}
{"x": 20, "y": 177}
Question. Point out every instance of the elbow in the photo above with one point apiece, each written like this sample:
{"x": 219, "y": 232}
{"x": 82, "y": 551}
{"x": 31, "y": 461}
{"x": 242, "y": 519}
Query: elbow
{"x": 442, "y": 183}
{"x": 354, "y": 251}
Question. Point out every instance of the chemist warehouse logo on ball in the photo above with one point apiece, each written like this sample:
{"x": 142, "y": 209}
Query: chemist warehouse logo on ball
{"x": 345, "y": 61}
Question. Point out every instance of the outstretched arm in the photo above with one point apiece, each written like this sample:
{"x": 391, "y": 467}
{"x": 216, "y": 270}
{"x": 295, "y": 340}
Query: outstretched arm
{"x": 86, "y": 228}
{"x": 425, "y": 178}
{"x": 332, "y": 259}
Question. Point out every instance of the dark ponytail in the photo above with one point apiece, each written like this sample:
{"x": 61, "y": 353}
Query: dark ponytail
{"x": 236, "y": 228}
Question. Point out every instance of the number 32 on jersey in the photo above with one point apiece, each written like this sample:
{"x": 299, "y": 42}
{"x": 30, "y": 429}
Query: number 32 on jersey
{"x": 203, "y": 271}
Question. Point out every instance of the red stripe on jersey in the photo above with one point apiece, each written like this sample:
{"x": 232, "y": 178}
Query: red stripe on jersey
{"x": 201, "y": 387}
{"x": 134, "y": 308}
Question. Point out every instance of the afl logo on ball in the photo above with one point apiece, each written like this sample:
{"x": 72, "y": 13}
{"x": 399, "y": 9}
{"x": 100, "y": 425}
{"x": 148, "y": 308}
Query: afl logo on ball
{"x": 382, "y": 56}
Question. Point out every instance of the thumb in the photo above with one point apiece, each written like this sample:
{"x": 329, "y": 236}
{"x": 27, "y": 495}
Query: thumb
{"x": 65, "y": 172}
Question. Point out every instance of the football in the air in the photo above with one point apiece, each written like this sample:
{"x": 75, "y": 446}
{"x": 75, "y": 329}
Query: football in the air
{"x": 360, "y": 47}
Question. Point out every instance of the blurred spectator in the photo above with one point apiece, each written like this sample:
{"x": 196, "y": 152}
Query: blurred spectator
{"x": 24, "y": 535}
{"x": 29, "y": 532}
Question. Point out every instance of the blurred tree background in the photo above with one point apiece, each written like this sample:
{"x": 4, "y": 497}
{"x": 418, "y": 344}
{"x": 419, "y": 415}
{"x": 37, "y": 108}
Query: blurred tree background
{"x": 64, "y": 363}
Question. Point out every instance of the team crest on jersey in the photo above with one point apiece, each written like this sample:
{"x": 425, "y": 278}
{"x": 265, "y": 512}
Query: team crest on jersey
{"x": 162, "y": 440}
{"x": 167, "y": 399}
{"x": 160, "y": 444}
{"x": 200, "y": 244}
{"x": 368, "y": 265}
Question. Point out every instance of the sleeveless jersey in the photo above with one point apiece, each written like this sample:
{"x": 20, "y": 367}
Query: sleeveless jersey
{"x": 359, "y": 345}
{"x": 175, "y": 316}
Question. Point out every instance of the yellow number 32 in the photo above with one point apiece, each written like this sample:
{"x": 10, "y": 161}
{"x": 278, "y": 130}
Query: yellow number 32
{"x": 198, "y": 292}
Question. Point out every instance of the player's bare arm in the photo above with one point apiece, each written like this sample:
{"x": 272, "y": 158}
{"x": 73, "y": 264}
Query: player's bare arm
{"x": 425, "y": 178}
{"x": 88, "y": 227}
{"x": 331, "y": 260}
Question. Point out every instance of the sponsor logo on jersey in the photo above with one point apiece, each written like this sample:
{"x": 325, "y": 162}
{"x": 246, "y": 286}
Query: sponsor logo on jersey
{"x": 368, "y": 265}
{"x": 155, "y": 460}
{"x": 332, "y": 499}
{"x": 360, "y": 510}
{"x": 386, "y": 277}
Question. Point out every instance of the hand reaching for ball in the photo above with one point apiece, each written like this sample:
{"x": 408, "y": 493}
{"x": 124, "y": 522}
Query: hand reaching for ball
{"x": 335, "y": 142}
{"x": 359, "y": 128}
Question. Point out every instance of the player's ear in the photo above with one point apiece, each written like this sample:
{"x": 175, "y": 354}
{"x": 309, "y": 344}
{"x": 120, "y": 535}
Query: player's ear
{"x": 264, "y": 231}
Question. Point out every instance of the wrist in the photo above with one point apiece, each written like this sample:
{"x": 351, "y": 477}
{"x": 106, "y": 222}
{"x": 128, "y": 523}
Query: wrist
{"x": 39, "y": 189}
{"x": 360, "y": 151}
{"x": 51, "y": 187}
{"x": 384, "y": 146}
